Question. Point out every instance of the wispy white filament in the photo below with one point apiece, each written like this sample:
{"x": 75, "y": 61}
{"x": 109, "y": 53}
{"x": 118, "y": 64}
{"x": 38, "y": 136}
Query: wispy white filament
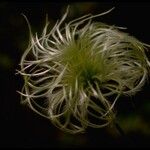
{"x": 75, "y": 74}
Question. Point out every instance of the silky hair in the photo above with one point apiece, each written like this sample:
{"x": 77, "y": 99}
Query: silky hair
{"x": 75, "y": 73}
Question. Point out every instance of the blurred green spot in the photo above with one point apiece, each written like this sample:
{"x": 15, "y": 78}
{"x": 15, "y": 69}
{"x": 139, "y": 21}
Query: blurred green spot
{"x": 67, "y": 139}
{"x": 135, "y": 124}
{"x": 5, "y": 61}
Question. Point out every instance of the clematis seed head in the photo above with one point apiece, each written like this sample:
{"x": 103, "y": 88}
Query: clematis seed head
{"x": 74, "y": 74}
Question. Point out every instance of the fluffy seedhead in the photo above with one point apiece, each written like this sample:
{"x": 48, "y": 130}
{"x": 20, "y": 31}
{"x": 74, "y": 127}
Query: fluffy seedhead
{"x": 75, "y": 73}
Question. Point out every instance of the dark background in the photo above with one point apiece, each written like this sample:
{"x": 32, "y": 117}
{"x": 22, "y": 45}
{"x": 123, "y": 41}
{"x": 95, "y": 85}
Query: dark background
{"x": 19, "y": 126}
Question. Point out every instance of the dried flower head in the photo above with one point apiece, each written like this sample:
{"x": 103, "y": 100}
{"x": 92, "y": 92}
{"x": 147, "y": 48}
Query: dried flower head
{"x": 75, "y": 73}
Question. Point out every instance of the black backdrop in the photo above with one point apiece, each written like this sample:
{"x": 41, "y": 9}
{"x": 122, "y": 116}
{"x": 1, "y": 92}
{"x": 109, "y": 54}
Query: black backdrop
{"x": 19, "y": 126}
